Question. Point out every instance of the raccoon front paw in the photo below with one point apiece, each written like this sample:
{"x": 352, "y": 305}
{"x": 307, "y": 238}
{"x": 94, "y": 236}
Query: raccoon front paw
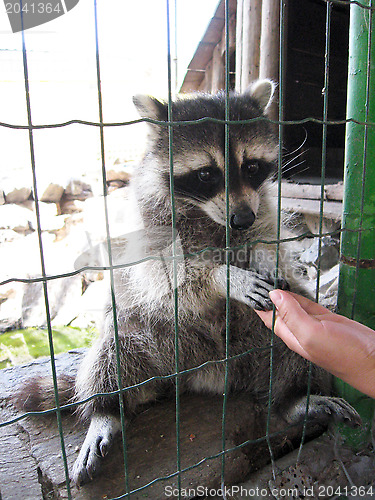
{"x": 258, "y": 296}
{"x": 95, "y": 447}
{"x": 248, "y": 286}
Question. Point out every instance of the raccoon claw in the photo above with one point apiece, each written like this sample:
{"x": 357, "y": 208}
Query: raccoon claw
{"x": 342, "y": 411}
{"x": 249, "y": 287}
{"x": 95, "y": 447}
{"x": 323, "y": 409}
{"x": 259, "y": 298}
{"x": 87, "y": 463}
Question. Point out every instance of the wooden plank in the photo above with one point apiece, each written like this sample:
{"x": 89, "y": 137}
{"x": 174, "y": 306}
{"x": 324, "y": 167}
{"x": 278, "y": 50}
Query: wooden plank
{"x": 304, "y": 191}
{"x": 334, "y": 191}
{"x": 331, "y": 209}
{"x": 205, "y": 55}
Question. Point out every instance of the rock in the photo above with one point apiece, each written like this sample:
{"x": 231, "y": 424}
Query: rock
{"x": 77, "y": 190}
{"x": 17, "y": 195}
{"x": 52, "y": 193}
{"x": 63, "y": 296}
{"x": 17, "y": 218}
{"x": 116, "y": 179}
{"x": 327, "y": 279}
{"x": 8, "y": 235}
{"x": 113, "y": 185}
{"x": 2, "y": 197}
{"x": 90, "y": 306}
{"x": 49, "y": 220}
{"x": 23, "y": 220}
{"x": 70, "y": 206}
{"x": 11, "y": 306}
{"x": 13, "y": 252}
{"x": 328, "y": 225}
{"x": 70, "y": 306}
{"x": 329, "y": 253}
{"x": 118, "y": 175}
{"x": 120, "y": 221}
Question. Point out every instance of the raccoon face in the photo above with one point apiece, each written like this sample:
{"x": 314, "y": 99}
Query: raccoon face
{"x": 199, "y": 153}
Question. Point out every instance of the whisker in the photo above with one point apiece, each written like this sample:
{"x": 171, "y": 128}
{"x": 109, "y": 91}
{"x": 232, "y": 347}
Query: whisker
{"x": 295, "y": 166}
{"x": 300, "y": 146}
{"x": 292, "y": 160}
{"x": 300, "y": 171}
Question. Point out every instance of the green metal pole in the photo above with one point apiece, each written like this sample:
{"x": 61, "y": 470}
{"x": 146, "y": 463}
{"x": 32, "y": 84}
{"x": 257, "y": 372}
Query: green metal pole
{"x": 356, "y": 296}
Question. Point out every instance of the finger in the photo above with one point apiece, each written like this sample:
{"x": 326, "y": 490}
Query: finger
{"x": 296, "y": 318}
{"x": 288, "y": 337}
{"x": 266, "y": 317}
{"x": 282, "y": 331}
{"x": 308, "y": 305}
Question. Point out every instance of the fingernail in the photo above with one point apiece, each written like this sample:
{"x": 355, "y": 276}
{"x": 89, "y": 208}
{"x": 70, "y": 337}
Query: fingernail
{"x": 276, "y": 297}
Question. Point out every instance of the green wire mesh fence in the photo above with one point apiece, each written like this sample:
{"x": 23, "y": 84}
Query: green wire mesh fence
{"x": 365, "y": 121}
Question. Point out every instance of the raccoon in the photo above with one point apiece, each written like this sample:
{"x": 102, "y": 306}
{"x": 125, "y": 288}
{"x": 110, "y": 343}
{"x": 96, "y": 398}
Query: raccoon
{"x": 204, "y": 252}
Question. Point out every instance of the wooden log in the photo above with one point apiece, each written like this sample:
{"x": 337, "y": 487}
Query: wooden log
{"x": 232, "y": 33}
{"x": 239, "y": 45}
{"x": 269, "y": 47}
{"x": 269, "y": 40}
{"x": 206, "y": 85}
{"x": 218, "y": 73}
{"x": 31, "y": 466}
{"x": 248, "y": 43}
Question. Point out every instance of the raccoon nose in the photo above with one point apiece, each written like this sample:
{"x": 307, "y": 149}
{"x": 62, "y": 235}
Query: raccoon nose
{"x": 243, "y": 218}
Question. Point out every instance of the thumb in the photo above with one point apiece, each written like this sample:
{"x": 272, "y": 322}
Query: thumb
{"x": 293, "y": 315}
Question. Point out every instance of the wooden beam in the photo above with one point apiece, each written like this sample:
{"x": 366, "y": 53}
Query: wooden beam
{"x": 269, "y": 40}
{"x": 270, "y": 48}
{"x": 206, "y": 85}
{"x": 249, "y": 16}
{"x": 218, "y": 79}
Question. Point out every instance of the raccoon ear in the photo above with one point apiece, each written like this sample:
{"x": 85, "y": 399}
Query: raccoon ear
{"x": 262, "y": 91}
{"x": 150, "y": 107}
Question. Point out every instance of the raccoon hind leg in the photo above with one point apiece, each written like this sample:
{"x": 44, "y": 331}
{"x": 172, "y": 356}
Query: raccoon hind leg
{"x": 99, "y": 438}
{"x": 322, "y": 409}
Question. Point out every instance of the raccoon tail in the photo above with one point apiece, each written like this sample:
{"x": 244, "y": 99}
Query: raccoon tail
{"x": 37, "y": 394}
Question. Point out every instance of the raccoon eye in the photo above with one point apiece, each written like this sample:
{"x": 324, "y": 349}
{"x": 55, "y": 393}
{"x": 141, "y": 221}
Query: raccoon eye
{"x": 208, "y": 174}
{"x": 251, "y": 167}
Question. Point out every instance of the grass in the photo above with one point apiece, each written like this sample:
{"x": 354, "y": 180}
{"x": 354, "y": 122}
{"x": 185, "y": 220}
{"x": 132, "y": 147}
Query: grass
{"x": 18, "y": 347}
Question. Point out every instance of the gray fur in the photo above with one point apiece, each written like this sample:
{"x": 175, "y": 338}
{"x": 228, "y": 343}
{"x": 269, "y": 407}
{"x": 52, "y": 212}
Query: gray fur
{"x": 145, "y": 292}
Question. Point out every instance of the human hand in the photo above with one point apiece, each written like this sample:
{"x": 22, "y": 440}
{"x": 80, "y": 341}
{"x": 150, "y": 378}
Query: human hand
{"x": 340, "y": 345}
